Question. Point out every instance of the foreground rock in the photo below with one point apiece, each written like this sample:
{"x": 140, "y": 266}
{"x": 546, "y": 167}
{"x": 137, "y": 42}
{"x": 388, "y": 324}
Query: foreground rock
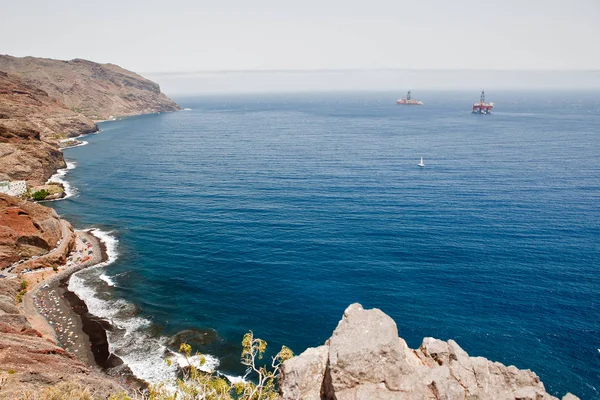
{"x": 366, "y": 360}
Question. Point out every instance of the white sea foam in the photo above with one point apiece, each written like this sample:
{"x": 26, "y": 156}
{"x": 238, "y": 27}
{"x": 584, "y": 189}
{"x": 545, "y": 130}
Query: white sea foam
{"x": 111, "y": 243}
{"x": 187, "y": 109}
{"x": 129, "y": 339}
{"x": 82, "y": 143}
{"x": 202, "y": 362}
{"x": 109, "y": 281}
{"x": 59, "y": 177}
{"x": 234, "y": 379}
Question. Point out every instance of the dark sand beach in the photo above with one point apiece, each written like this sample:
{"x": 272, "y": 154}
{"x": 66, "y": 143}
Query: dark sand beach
{"x": 47, "y": 299}
{"x": 64, "y": 318}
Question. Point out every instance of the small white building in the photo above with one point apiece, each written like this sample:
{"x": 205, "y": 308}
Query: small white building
{"x": 13, "y": 188}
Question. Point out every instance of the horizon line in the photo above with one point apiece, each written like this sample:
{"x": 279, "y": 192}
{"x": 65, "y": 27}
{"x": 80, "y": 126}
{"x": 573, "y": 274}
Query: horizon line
{"x": 338, "y": 70}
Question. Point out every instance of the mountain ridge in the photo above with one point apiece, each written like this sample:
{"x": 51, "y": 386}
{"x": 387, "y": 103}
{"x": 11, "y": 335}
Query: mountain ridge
{"x": 43, "y": 101}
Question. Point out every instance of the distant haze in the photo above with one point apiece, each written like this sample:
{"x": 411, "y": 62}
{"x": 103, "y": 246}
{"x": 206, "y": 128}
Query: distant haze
{"x": 355, "y": 80}
{"x": 190, "y": 35}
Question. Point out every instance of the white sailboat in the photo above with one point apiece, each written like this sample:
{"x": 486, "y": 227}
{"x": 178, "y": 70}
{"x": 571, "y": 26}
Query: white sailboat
{"x": 421, "y": 164}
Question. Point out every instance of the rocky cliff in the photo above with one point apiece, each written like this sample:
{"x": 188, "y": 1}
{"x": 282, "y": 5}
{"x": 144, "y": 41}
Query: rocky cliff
{"x": 26, "y": 230}
{"x": 43, "y": 101}
{"x": 26, "y": 112}
{"x": 366, "y": 360}
{"x": 96, "y": 91}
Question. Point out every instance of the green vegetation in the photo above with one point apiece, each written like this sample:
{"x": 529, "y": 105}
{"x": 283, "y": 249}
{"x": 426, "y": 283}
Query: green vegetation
{"x": 55, "y": 268}
{"x": 22, "y": 292}
{"x": 196, "y": 384}
{"x": 11, "y": 371}
{"x": 66, "y": 390}
{"x": 40, "y": 195}
{"x": 50, "y": 189}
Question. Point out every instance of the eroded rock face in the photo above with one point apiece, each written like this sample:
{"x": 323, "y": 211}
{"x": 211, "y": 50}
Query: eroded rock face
{"x": 366, "y": 360}
{"x": 26, "y": 229}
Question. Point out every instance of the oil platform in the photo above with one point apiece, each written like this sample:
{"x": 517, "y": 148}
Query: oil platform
{"x": 408, "y": 101}
{"x": 481, "y": 107}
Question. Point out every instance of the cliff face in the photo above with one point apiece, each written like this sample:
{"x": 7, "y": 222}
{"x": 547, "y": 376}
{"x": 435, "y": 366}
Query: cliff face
{"x": 366, "y": 360}
{"x": 28, "y": 229}
{"x": 26, "y": 112}
{"x": 96, "y": 91}
{"x": 43, "y": 101}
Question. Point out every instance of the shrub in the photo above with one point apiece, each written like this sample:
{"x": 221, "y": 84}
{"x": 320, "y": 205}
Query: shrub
{"x": 40, "y": 194}
{"x": 71, "y": 390}
{"x": 197, "y": 384}
{"x": 22, "y": 292}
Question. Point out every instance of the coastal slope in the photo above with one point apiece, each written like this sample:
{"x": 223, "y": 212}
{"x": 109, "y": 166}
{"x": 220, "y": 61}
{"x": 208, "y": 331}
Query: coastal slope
{"x": 30, "y": 124}
{"x": 96, "y": 91}
{"x": 30, "y": 230}
{"x": 43, "y": 101}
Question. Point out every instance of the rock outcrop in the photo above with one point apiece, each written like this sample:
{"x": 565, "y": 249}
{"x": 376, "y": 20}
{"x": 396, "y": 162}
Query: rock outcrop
{"x": 366, "y": 360}
{"x": 28, "y": 229}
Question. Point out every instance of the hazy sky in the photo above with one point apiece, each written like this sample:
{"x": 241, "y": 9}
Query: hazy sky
{"x": 167, "y": 36}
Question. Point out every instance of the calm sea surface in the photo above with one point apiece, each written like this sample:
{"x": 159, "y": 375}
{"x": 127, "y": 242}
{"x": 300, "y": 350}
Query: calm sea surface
{"x": 273, "y": 213}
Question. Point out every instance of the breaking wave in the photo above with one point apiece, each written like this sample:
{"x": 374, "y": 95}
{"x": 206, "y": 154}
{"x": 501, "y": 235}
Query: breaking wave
{"x": 109, "y": 281}
{"x": 81, "y": 143}
{"x": 59, "y": 177}
{"x": 130, "y": 337}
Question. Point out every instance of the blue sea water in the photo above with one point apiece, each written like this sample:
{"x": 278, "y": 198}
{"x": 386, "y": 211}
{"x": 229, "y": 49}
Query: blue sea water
{"x": 273, "y": 213}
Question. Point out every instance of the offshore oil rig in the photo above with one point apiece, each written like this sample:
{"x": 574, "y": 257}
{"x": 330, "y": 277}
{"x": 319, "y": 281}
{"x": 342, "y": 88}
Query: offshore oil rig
{"x": 408, "y": 101}
{"x": 481, "y": 107}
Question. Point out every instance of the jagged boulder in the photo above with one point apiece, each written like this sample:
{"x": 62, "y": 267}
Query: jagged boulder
{"x": 366, "y": 360}
{"x": 303, "y": 376}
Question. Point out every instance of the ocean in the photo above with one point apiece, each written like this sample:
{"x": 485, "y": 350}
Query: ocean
{"x": 274, "y": 212}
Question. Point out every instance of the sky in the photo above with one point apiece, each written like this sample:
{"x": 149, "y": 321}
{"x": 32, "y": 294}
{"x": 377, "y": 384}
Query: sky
{"x": 153, "y": 37}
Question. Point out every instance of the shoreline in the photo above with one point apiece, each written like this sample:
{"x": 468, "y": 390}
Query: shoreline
{"x": 63, "y": 318}
{"x": 88, "y": 339}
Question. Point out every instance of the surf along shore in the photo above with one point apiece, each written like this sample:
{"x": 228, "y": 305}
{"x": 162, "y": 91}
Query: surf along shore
{"x": 63, "y": 318}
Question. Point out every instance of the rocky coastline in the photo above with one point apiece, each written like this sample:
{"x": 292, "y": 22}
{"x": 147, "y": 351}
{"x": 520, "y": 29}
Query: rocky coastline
{"x": 44, "y": 103}
{"x": 41, "y": 343}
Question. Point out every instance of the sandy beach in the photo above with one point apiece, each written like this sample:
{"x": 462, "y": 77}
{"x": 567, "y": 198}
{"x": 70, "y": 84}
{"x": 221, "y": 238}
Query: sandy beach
{"x": 50, "y": 306}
